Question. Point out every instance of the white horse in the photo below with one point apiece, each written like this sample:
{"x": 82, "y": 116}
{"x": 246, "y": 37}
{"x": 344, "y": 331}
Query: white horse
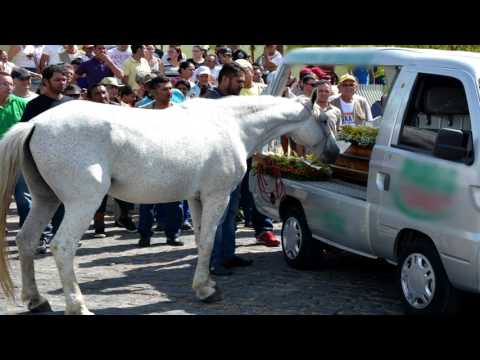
{"x": 77, "y": 152}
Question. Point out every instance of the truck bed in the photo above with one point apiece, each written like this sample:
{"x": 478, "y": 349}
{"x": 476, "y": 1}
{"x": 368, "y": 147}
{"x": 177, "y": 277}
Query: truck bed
{"x": 333, "y": 185}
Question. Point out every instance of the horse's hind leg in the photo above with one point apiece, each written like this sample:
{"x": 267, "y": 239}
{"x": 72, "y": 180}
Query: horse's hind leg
{"x": 64, "y": 246}
{"x": 39, "y": 216}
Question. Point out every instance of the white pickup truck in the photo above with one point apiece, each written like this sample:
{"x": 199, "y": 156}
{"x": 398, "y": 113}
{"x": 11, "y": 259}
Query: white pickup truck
{"x": 420, "y": 207}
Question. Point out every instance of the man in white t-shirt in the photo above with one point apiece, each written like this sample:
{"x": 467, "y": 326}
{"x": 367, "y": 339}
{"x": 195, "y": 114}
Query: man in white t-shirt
{"x": 119, "y": 54}
{"x": 355, "y": 108}
{"x": 50, "y": 56}
{"x": 5, "y": 65}
{"x": 271, "y": 58}
{"x": 211, "y": 63}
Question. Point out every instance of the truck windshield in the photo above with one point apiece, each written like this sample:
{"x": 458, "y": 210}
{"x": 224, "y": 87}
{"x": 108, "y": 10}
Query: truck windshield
{"x": 352, "y": 95}
{"x": 372, "y": 83}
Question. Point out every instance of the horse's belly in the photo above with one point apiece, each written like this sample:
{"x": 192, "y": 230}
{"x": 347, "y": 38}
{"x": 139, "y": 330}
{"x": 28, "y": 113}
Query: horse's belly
{"x": 149, "y": 193}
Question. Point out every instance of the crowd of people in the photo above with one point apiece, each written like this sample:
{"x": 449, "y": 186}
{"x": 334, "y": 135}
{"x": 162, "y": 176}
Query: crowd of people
{"x": 35, "y": 78}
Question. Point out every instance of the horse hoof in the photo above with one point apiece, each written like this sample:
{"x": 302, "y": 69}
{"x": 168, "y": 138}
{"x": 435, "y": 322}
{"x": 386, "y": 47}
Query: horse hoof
{"x": 42, "y": 308}
{"x": 215, "y": 297}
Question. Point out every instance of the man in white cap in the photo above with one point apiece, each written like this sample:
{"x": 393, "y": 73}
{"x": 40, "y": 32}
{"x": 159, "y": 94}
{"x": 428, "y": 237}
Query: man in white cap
{"x": 355, "y": 108}
{"x": 250, "y": 87}
{"x": 113, "y": 85}
{"x": 202, "y": 77}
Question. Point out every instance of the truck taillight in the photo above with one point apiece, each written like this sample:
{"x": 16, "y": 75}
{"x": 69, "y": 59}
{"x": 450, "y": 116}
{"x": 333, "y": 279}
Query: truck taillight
{"x": 476, "y": 196}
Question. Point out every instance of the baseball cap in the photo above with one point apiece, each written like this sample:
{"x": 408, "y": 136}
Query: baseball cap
{"x": 244, "y": 63}
{"x": 347, "y": 77}
{"x": 304, "y": 72}
{"x": 202, "y": 70}
{"x": 145, "y": 77}
{"x": 111, "y": 81}
{"x": 177, "y": 96}
{"x": 308, "y": 77}
{"x": 73, "y": 90}
{"x": 224, "y": 50}
{"x": 21, "y": 74}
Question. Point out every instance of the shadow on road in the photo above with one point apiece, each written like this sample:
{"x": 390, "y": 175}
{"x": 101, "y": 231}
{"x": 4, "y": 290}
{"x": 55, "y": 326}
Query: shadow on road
{"x": 269, "y": 286}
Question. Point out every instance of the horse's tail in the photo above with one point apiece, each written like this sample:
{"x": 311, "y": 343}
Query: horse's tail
{"x": 11, "y": 151}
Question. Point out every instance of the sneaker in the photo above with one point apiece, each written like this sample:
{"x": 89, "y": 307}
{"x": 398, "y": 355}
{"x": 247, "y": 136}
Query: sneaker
{"x": 42, "y": 247}
{"x": 174, "y": 242}
{"x": 144, "y": 241}
{"x": 100, "y": 234}
{"x": 220, "y": 271}
{"x": 268, "y": 238}
{"x": 187, "y": 226}
{"x": 127, "y": 223}
{"x": 237, "y": 261}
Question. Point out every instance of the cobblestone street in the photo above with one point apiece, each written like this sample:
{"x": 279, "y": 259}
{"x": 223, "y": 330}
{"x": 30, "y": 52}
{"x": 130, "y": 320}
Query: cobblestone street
{"x": 118, "y": 278}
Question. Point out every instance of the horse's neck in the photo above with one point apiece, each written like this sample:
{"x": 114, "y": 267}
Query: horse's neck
{"x": 268, "y": 123}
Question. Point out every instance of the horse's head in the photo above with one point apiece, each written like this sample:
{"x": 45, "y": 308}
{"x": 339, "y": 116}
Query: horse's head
{"x": 315, "y": 133}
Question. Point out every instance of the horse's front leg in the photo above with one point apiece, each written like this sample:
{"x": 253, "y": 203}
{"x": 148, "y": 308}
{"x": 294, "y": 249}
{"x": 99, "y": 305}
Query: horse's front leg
{"x": 213, "y": 210}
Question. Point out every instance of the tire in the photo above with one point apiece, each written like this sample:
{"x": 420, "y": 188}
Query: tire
{"x": 300, "y": 250}
{"x": 423, "y": 282}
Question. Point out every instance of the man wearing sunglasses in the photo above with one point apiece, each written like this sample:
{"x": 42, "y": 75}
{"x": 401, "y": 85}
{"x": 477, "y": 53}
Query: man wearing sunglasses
{"x": 309, "y": 84}
{"x": 355, "y": 108}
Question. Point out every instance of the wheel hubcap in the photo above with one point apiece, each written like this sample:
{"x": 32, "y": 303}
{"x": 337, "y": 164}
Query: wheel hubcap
{"x": 418, "y": 280}
{"x": 292, "y": 238}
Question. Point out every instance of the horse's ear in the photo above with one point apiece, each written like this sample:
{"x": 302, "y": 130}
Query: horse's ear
{"x": 314, "y": 96}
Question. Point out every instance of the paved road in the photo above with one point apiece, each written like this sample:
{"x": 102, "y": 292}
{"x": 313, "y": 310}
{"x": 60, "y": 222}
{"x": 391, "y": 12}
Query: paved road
{"x": 116, "y": 277}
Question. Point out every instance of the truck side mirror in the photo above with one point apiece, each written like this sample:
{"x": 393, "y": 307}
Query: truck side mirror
{"x": 455, "y": 145}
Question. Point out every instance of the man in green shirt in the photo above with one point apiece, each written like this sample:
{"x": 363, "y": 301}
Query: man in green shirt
{"x": 11, "y": 111}
{"x": 11, "y": 106}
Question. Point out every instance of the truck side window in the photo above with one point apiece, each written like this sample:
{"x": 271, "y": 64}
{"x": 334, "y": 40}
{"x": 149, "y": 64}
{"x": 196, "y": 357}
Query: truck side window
{"x": 436, "y": 102}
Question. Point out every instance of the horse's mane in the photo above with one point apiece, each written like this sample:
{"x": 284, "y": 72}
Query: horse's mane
{"x": 241, "y": 105}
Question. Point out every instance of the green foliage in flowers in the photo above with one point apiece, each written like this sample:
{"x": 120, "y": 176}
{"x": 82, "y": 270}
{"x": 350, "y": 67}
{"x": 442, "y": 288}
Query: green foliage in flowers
{"x": 292, "y": 167}
{"x": 359, "y": 135}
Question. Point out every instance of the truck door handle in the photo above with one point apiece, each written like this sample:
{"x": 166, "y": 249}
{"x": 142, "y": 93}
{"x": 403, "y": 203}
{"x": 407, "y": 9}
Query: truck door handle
{"x": 383, "y": 181}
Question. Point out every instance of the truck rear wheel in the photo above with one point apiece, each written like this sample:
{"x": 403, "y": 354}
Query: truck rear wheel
{"x": 424, "y": 285}
{"x": 300, "y": 250}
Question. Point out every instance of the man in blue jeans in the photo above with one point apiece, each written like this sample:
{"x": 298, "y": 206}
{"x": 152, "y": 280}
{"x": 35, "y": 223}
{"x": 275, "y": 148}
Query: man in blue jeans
{"x": 161, "y": 89}
{"x": 173, "y": 226}
{"x": 262, "y": 224}
{"x": 230, "y": 81}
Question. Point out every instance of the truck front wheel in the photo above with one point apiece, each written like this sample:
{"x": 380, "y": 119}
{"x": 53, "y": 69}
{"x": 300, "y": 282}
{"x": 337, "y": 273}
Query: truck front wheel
{"x": 424, "y": 285}
{"x": 300, "y": 250}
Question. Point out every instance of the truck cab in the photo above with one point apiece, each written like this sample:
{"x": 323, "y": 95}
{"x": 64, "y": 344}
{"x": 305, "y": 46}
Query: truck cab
{"x": 420, "y": 205}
